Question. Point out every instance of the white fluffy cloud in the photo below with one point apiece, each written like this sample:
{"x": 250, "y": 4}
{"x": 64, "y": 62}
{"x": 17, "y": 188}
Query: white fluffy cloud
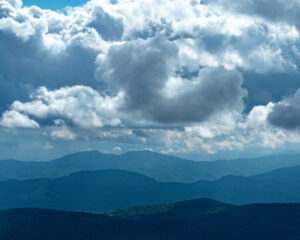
{"x": 80, "y": 106}
{"x": 14, "y": 119}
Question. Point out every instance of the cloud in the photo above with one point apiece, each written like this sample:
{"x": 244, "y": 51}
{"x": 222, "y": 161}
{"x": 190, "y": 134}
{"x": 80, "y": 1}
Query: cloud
{"x": 204, "y": 35}
{"x": 63, "y": 133}
{"x": 110, "y": 28}
{"x": 43, "y": 48}
{"x": 79, "y": 106}
{"x": 14, "y": 119}
{"x": 286, "y": 113}
{"x": 144, "y": 70}
{"x": 15, "y": 3}
{"x": 117, "y": 149}
{"x": 46, "y": 69}
{"x": 276, "y": 10}
{"x": 207, "y": 74}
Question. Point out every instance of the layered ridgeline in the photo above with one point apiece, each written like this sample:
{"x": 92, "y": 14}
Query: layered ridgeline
{"x": 197, "y": 219}
{"x": 106, "y": 190}
{"x": 158, "y": 166}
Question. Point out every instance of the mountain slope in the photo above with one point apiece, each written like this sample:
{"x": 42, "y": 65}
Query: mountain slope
{"x": 287, "y": 175}
{"x": 183, "y": 211}
{"x": 105, "y": 190}
{"x": 249, "y": 222}
{"x": 158, "y": 166}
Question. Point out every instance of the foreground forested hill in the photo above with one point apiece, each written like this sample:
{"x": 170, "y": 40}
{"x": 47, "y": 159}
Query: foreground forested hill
{"x": 197, "y": 219}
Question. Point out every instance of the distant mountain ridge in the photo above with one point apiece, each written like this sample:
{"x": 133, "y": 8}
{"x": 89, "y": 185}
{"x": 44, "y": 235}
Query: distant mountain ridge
{"x": 196, "y": 219}
{"x": 107, "y": 190}
{"x": 158, "y": 166}
{"x": 287, "y": 175}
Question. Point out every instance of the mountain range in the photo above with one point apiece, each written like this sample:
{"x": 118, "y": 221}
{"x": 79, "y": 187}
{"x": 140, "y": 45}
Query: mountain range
{"x": 196, "y": 219}
{"x": 164, "y": 168}
{"x": 136, "y": 194}
{"x": 106, "y": 190}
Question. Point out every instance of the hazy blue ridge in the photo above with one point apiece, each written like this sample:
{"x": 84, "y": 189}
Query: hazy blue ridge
{"x": 158, "y": 166}
{"x": 107, "y": 190}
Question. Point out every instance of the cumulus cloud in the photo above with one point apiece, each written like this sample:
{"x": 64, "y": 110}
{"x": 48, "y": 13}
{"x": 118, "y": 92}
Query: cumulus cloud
{"x": 277, "y": 10}
{"x": 207, "y": 73}
{"x": 80, "y": 106}
{"x": 44, "y": 48}
{"x": 143, "y": 70}
{"x": 108, "y": 27}
{"x": 14, "y": 119}
{"x": 15, "y": 3}
{"x": 204, "y": 35}
{"x": 286, "y": 113}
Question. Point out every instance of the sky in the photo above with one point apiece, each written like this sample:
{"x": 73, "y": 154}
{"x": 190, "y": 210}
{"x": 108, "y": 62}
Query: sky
{"x": 53, "y": 4}
{"x": 205, "y": 80}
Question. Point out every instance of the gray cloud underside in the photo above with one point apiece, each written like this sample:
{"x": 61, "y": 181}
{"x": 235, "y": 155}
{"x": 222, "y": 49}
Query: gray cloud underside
{"x": 286, "y": 114}
{"x": 142, "y": 70}
{"x": 24, "y": 66}
{"x": 111, "y": 29}
{"x": 276, "y": 10}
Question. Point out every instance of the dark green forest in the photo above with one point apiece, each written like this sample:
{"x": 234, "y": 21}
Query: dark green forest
{"x": 195, "y": 219}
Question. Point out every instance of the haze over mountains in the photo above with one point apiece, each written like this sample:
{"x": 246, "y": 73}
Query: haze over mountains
{"x": 198, "y": 219}
{"x": 104, "y": 183}
{"x": 106, "y": 190}
{"x": 158, "y": 166}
